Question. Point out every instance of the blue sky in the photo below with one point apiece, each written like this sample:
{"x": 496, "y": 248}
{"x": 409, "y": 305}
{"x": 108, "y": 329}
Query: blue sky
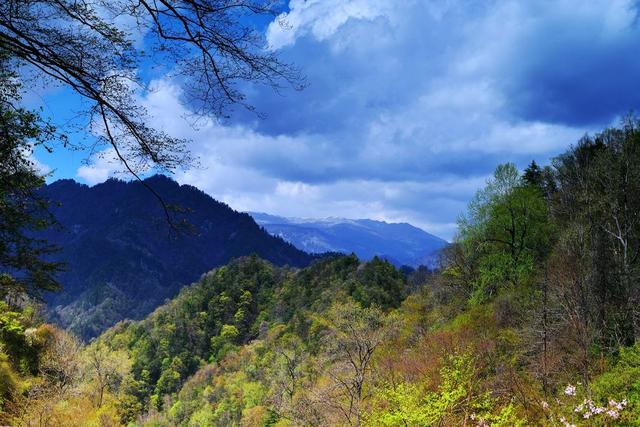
{"x": 410, "y": 105}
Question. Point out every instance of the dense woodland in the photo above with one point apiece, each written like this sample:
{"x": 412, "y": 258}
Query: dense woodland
{"x": 532, "y": 318}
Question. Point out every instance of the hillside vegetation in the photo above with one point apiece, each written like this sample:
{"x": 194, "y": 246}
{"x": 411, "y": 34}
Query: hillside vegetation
{"x": 532, "y": 319}
{"x": 124, "y": 258}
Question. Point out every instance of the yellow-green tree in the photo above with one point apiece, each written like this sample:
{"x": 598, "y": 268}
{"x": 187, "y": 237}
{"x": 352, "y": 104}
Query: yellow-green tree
{"x": 459, "y": 400}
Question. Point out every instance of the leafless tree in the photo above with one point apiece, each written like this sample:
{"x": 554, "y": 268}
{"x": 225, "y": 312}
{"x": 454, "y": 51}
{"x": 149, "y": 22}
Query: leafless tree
{"x": 597, "y": 195}
{"x": 105, "y": 369}
{"x": 93, "y": 48}
{"x": 60, "y": 361}
{"x": 59, "y": 371}
{"x": 353, "y": 336}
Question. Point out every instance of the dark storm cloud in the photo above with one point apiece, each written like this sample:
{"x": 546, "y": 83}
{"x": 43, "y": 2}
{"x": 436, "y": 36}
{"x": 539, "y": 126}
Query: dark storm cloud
{"x": 576, "y": 67}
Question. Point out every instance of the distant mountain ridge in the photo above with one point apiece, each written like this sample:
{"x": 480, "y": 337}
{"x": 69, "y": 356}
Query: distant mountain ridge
{"x": 400, "y": 243}
{"x": 123, "y": 259}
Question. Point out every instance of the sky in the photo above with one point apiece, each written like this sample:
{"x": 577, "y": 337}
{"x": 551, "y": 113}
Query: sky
{"x": 409, "y": 108}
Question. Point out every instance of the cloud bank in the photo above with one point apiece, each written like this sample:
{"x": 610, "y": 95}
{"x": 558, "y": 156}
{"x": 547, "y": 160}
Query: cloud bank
{"x": 411, "y": 105}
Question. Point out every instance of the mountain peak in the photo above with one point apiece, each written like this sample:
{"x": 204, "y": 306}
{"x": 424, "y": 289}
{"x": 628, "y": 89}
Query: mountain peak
{"x": 400, "y": 243}
{"x": 123, "y": 259}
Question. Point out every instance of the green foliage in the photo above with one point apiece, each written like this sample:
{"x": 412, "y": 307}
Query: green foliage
{"x": 456, "y": 401}
{"x": 507, "y": 232}
{"x": 235, "y": 304}
{"x": 17, "y": 338}
{"x": 379, "y": 283}
{"x": 622, "y": 382}
{"x": 17, "y": 354}
{"x": 403, "y": 404}
{"x": 225, "y": 342}
{"x": 24, "y": 267}
{"x": 8, "y": 381}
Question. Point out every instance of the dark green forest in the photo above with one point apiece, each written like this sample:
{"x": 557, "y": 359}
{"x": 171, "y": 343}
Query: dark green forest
{"x": 532, "y": 318}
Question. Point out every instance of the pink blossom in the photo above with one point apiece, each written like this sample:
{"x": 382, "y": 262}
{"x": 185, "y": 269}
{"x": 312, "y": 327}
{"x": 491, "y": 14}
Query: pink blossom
{"x": 570, "y": 390}
{"x": 613, "y": 414}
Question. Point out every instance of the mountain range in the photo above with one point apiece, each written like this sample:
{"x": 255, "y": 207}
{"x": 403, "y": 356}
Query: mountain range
{"x": 123, "y": 258}
{"x": 399, "y": 243}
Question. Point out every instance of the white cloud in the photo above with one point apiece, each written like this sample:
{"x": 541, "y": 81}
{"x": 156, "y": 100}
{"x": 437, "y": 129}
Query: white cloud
{"x": 309, "y": 175}
{"x": 103, "y": 166}
{"x": 410, "y": 107}
{"x": 248, "y": 169}
{"x": 40, "y": 167}
{"x": 321, "y": 18}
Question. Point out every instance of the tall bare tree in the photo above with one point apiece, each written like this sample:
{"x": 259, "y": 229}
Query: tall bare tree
{"x": 353, "y": 336}
{"x": 105, "y": 369}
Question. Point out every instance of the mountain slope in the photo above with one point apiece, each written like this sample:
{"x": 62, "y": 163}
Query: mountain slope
{"x": 123, "y": 259}
{"x": 236, "y": 304}
{"x": 402, "y": 244}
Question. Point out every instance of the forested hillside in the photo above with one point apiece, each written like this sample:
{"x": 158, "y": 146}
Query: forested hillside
{"x": 532, "y": 319}
{"x": 123, "y": 258}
